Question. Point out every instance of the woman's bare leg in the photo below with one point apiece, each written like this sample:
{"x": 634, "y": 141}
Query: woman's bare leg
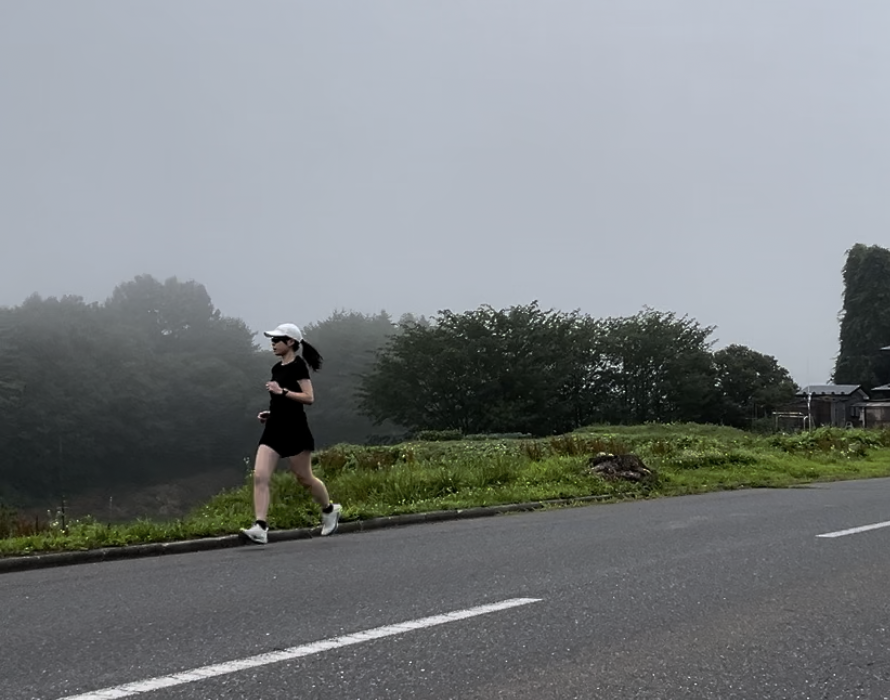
{"x": 264, "y": 466}
{"x": 301, "y": 466}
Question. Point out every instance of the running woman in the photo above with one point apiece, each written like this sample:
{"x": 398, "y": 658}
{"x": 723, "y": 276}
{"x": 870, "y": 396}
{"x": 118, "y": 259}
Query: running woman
{"x": 286, "y": 432}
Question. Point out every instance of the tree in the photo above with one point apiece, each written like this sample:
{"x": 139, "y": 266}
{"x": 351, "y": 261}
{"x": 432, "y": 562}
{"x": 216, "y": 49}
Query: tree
{"x": 517, "y": 369}
{"x": 201, "y": 382}
{"x": 101, "y": 394}
{"x": 65, "y": 368}
{"x": 349, "y": 342}
{"x": 865, "y": 319}
{"x": 750, "y": 383}
{"x": 176, "y": 316}
{"x": 11, "y": 390}
{"x": 10, "y": 384}
{"x": 655, "y": 366}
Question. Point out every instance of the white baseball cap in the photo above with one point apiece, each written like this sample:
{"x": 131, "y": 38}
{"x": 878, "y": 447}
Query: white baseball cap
{"x": 285, "y": 330}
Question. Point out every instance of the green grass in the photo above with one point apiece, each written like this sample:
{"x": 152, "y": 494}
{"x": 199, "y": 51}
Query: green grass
{"x": 450, "y": 474}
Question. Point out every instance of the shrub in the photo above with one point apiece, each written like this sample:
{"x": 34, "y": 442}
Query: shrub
{"x": 12, "y": 524}
{"x": 438, "y": 435}
{"x": 697, "y": 459}
{"x": 827, "y": 440}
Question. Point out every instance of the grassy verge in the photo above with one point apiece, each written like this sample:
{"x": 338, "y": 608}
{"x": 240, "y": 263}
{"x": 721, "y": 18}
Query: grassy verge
{"x": 425, "y": 476}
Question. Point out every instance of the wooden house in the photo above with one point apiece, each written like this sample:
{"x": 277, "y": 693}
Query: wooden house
{"x": 837, "y": 405}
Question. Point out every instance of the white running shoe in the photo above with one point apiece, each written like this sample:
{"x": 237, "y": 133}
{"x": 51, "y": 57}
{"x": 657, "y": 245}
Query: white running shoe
{"x": 256, "y": 533}
{"x": 329, "y": 521}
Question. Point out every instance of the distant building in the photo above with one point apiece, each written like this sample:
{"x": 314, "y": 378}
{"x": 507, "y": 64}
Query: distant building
{"x": 876, "y": 412}
{"x": 881, "y": 393}
{"x": 837, "y": 405}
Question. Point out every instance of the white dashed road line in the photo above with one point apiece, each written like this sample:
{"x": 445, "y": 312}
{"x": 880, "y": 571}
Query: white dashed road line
{"x": 274, "y": 657}
{"x": 856, "y": 530}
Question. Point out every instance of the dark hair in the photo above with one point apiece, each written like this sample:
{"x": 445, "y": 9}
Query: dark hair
{"x": 311, "y": 355}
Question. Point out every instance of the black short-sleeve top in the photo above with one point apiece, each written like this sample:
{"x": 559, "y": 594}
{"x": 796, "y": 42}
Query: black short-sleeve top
{"x": 288, "y": 377}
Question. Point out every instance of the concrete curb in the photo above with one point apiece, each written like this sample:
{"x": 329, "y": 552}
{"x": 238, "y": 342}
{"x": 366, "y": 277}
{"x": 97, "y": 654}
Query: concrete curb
{"x": 92, "y": 556}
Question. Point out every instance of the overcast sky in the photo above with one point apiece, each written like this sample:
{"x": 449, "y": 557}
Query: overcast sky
{"x": 711, "y": 158}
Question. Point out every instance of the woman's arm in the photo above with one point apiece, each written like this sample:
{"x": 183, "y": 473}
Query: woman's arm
{"x": 305, "y": 395}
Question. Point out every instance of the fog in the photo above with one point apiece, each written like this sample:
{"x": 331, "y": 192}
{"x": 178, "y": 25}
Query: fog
{"x": 711, "y": 159}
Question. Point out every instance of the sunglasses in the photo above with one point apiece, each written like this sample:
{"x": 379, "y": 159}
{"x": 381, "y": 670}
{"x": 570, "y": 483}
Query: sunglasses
{"x": 279, "y": 339}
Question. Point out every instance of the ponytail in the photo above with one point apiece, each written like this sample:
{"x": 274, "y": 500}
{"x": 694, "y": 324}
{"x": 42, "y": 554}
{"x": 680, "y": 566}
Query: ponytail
{"x": 311, "y": 355}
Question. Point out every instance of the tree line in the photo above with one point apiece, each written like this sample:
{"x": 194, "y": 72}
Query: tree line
{"x": 525, "y": 369}
{"x": 156, "y": 382}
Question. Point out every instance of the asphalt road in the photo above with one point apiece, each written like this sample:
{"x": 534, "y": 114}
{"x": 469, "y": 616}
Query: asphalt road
{"x": 725, "y": 596}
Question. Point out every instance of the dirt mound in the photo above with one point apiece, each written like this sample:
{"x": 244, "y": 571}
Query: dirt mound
{"x": 628, "y": 467}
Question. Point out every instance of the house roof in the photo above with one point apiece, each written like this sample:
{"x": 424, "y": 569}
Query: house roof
{"x": 872, "y": 404}
{"x": 883, "y": 387}
{"x": 829, "y": 389}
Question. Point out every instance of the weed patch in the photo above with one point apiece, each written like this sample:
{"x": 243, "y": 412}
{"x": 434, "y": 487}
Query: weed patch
{"x": 448, "y": 473}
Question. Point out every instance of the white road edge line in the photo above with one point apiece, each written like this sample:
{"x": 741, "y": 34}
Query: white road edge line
{"x": 855, "y": 530}
{"x": 274, "y": 657}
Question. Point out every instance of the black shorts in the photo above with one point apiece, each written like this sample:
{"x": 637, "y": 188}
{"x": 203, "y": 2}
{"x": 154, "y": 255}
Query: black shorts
{"x": 288, "y": 437}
